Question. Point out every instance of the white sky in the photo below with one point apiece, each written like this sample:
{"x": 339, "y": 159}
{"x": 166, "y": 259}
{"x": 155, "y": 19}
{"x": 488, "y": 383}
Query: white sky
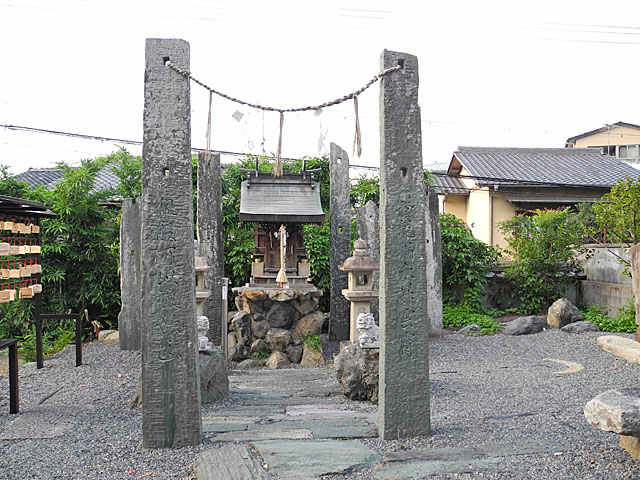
{"x": 492, "y": 73}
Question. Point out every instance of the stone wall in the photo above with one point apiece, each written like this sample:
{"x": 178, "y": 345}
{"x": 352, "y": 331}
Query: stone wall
{"x": 273, "y": 320}
{"x": 605, "y": 284}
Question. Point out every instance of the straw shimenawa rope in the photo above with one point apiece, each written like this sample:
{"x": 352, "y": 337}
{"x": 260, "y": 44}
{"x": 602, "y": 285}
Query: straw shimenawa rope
{"x": 277, "y": 171}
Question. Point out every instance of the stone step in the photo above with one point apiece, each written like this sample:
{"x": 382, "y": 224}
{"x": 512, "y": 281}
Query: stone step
{"x": 266, "y": 434}
{"x": 621, "y": 347}
{"x": 616, "y": 411}
{"x": 229, "y": 462}
{"x": 304, "y": 460}
{"x": 454, "y": 461}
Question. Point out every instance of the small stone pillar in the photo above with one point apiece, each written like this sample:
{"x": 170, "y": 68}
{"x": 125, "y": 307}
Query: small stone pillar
{"x": 360, "y": 293}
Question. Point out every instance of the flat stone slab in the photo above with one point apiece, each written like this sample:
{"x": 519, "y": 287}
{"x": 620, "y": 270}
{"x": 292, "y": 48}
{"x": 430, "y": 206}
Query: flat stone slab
{"x": 231, "y": 462}
{"x": 313, "y": 458}
{"x": 621, "y": 347}
{"x": 450, "y": 461}
{"x": 336, "y": 427}
{"x": 324, "y": 411}
{"x": 265, "y": 434}
{"x": 616, "y": 411}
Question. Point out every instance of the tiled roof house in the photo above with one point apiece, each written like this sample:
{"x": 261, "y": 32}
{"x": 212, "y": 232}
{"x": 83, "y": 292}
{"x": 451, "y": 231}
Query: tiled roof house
{"x": 502, "y": 182}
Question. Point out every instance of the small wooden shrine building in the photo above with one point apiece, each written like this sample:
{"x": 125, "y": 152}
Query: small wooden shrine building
{"x": 280, "y": 206}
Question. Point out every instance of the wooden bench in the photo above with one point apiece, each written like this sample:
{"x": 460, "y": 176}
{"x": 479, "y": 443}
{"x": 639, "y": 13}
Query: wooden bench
{"x": 12, "y": 344}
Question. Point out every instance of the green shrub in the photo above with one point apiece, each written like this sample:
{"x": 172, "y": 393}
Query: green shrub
{"x": 458, "y": 316}
{"x": 465, "y": 262}
{"x": 625, "y": 322}
{"x": 543, "y": 248}
{"x": 314, "y": 342}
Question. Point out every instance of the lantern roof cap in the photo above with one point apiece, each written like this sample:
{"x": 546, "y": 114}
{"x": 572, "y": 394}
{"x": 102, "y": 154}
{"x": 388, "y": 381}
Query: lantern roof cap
{"x": 359, "y": 261}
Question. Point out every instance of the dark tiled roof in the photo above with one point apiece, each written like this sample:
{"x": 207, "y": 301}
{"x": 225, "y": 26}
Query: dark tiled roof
{"x": 50, "y": 177}
{"x": 556, "y": 166}
{"x": 449, "y": 185}
{"x": 285, "y": 199}
{"x": 599, "y": 130}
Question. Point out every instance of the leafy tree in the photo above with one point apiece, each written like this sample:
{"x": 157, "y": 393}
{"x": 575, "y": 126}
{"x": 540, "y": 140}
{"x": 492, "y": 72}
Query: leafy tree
{"x": 619, "y": 212}
{"x": 543, "y": 248}
{"x": 129, "y": 172}
{"x": 465, "y": 262}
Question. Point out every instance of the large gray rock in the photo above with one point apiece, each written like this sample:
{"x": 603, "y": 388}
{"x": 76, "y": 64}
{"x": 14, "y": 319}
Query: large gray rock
{"x": 562, "y": 313}
{"x": 241, "y": 325}
{"x": 259, "y": 329}
{"x": 238, "y": 352}
{"x": 312, "y": 356}
{"x": 281, "y": 315}
{"x": 277, "y": 339}
{"x": 616, "y": 411}
{"x": 357, "y": 372}
{"x": 214, "y": 379}
{"x": 277, "y": 360}
{"x": 308, "y": 325}
{"x": 525, "y": 325}
{"x": 470, "y": 329}
{"x": 580, "y": 327}
{"x": 294, "y": 353}
{"x": 258, "y": 346}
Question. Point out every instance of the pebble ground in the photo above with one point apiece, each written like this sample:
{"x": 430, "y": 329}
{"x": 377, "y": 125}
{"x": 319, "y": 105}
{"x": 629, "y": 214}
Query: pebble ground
{"x": 76, "y": 423}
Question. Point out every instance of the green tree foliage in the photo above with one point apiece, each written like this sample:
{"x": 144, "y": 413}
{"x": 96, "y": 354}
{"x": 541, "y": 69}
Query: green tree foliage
{"x": 543, "y": 247}
{"x": 79, "y": 248}
{"x": 619, "y": 212}
{"x": 129, "y": 172}
{"x": 465, "y": 262}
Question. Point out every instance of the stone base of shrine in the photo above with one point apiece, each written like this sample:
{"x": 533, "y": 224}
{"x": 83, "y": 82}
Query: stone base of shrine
{"x": 273, "y": 320}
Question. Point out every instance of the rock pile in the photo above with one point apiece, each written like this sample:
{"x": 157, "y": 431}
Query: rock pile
{"x": 274, "y": 322}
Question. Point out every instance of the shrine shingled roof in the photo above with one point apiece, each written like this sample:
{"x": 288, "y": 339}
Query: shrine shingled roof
{"x": 291, "y": 198}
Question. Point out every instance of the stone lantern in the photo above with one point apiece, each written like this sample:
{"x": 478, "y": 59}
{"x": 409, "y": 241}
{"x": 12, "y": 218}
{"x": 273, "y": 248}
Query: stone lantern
{"x": 359, "y": 268}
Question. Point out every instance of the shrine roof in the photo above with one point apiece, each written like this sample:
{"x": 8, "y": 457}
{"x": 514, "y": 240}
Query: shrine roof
{"x": 291, "y": 198}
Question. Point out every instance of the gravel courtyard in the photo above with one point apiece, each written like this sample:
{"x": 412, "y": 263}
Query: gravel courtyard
{"x": 494, "y": 393}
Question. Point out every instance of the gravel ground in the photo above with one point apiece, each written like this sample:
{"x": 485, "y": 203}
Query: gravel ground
{"x": 76, "y": 422}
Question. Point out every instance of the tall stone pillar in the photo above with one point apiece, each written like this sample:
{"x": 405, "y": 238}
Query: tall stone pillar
{"x": 170, "y": 390}
{"x": 130, "y": 249}
{"x": 340, "y": 241}
{"x": 634, "y": 254}
{"x": 404, "y": 323}
{"x": 368, "y": 229}
{"x": 210, "y": 238}
{"x": 434, "y": 264}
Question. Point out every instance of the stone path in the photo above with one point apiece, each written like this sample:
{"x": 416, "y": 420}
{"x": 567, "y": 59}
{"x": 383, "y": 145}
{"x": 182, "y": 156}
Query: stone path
{"x": 303, "y": 428}
{"x": 297, "y": 420}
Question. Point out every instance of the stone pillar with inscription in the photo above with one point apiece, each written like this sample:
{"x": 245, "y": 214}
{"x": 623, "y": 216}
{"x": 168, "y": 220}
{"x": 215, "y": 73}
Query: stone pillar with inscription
{"x": 340, "y": 241}
{"x": 434, "y": 264}
{"x": 170, "y": 377}
{"x": 129, "y": 317}
{"x": 210, "y": 238}
{"x": 368, "y": 229}
{"x": 404, "y": 324}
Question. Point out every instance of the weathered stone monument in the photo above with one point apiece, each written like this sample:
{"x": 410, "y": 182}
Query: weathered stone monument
{"x": 170, "y": 391}
{"x": 404, "y": 324}
{"x": 209, "y": 219}
{"x": 130, "y": 252}
{"x": 340, "y": 241}
{"x": 368, "y": 229}
{"x": 434, "y": 264}
{"x": 634, "y": 253}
